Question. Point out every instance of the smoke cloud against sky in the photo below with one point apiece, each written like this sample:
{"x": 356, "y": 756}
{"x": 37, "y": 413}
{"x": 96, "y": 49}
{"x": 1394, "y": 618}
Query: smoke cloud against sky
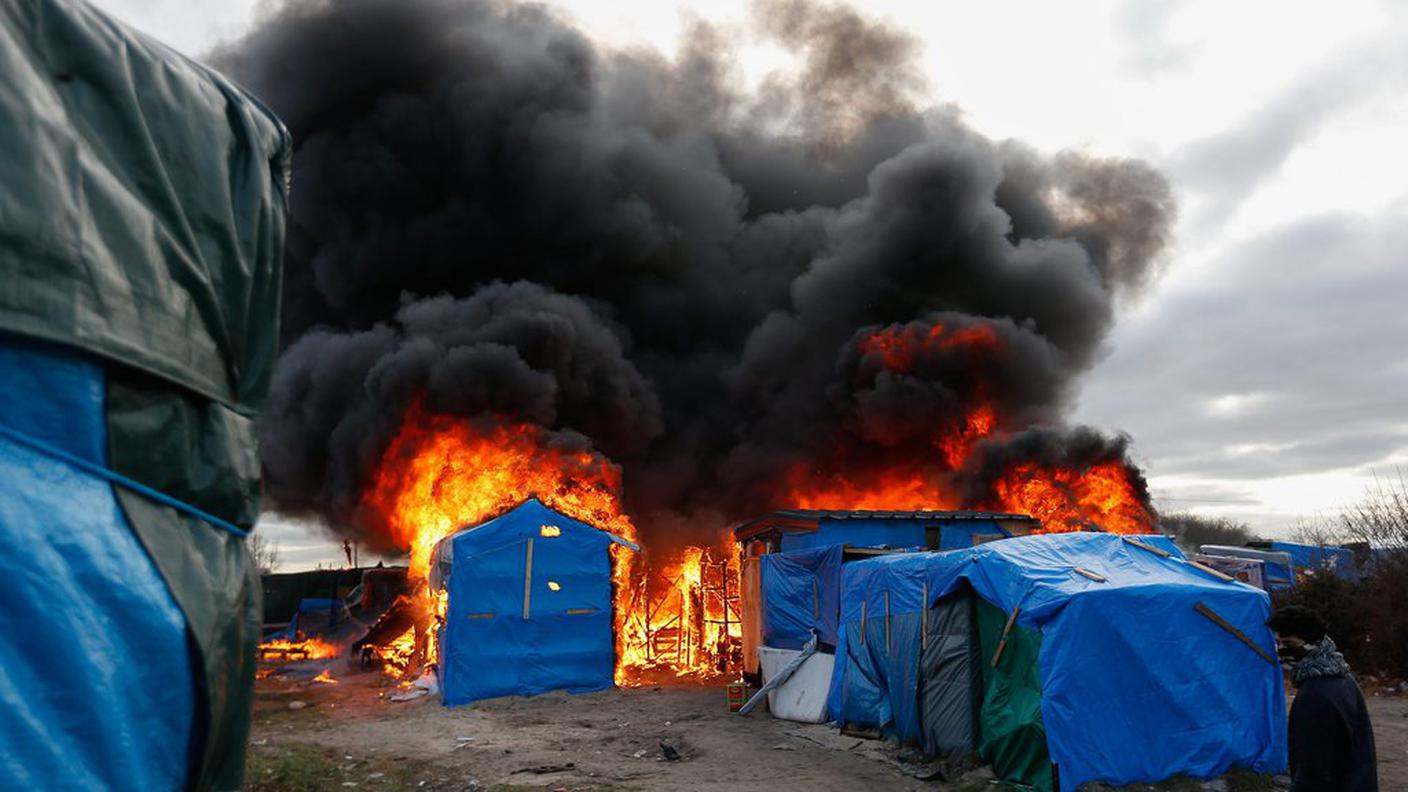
{"x": 1258, "y": 377}
{"x": 494, "y": 216}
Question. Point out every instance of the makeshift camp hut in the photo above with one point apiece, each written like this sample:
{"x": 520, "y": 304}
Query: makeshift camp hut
{"x": 800, "y": 529}
{"x": 142, "y": 201}
{"x": 530, "y": 606}
{"x": 1062, "y": 659}
{"x": 789, "y": 530}
{"x": 1277, "y": 567}
{"x": 1313, "y": 558}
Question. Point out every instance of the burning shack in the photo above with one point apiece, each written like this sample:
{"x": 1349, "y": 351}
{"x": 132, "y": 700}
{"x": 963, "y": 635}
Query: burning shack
{"x": 528, "y": 605}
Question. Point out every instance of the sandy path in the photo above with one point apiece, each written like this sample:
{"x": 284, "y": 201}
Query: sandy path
{"x": 611, "y": 740}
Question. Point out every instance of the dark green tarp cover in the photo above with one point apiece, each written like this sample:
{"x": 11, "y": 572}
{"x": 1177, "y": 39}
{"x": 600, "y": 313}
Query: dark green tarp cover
{"x": 142, "y": 201}
{"x": 1011, "y": 736}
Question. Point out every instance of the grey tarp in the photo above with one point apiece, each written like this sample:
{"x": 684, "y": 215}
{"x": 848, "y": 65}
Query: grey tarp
{"x": 950, "y": 690}
{"x": 142, "y": 201}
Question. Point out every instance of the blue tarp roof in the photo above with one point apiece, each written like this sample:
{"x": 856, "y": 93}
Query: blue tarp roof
{"x": 1137, "y": 685}
{"x": 801, "y": 591}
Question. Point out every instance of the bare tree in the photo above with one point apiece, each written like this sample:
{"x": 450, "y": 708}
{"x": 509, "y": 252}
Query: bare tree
{"x": 1192, "y": 530}
{"x": 1380, "y": 516}
{"x": 264, "y": 552}
{"x": 1320, "y": 531}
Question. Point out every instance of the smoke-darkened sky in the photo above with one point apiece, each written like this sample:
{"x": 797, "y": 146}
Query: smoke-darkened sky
{"x": 1260, "y": 376}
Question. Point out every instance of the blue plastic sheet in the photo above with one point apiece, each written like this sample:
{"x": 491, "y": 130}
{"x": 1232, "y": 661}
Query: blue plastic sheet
{"x": 95, "y": 677}
{"x": 1338, "y": 560}
{"x": 801, "y": 592}
{"x": 520, "y": 627}
{"x": 1137, "y": 685}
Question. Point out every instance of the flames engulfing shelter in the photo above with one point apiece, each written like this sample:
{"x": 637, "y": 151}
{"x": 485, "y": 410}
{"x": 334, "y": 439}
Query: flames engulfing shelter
{"x": 1062, "y": 659}
{"x": 529, "y": 607}
{"x": 142, "y": 201}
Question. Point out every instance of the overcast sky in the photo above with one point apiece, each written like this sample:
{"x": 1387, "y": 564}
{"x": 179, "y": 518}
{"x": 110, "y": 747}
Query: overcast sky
{"x": 1264, "y": 376}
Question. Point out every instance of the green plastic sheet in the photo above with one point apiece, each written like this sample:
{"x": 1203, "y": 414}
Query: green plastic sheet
{"x": 1011, "y": 736}
{"x": 142, "y": 210}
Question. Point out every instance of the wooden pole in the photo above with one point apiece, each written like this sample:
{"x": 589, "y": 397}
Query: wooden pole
{"x": 1002, "y": 644}
{"x": 1241, "y": 636}
{"x": 527, "y": 578}
{"x": 924, "y": 618}
{"x": 887, "y": 622}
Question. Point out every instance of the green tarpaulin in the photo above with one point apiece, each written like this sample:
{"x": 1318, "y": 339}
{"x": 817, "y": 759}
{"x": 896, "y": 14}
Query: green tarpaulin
{"x": 1011, "y": 736}
{"x": 142, "y": 201}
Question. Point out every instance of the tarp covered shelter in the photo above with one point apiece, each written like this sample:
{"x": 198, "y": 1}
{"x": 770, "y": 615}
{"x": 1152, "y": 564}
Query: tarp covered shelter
{"x": 1278, "y": 568}
{"x": 1313, "y": 557}
{"x": 530, "y": 606}
{"x": 142, "y": 201}
{"x": 801, "y": 592}
{"x": 1062, "y": 659}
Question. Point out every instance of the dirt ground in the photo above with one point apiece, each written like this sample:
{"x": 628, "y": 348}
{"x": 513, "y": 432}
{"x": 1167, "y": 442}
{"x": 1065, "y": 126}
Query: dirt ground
{"x": 313, "y": 736}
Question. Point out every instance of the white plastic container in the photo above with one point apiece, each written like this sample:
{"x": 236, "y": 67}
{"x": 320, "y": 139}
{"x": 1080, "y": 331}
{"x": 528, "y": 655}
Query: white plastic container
{"x": 801, "y": 698}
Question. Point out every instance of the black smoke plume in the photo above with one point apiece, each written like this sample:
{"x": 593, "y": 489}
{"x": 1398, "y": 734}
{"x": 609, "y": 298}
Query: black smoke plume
{"x": 493, "y": 213}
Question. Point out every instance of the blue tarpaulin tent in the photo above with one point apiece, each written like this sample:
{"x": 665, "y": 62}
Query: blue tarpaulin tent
{"x": 1314, "y": 557}
{"x": 529, "y": 606}
{"x": 1131, "y": 677}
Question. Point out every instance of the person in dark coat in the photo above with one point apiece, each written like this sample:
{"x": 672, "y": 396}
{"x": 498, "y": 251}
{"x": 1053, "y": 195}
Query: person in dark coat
{"x": 1331, "y": 740}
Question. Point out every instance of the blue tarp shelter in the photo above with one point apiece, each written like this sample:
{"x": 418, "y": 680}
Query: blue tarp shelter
{"x": 801, "y": 592}
{"x": 1108, "y": 656}
{"x": 1314, "y": 557}
{"x": 316, "y": 616}
{"x": 1278, "y": 568}
{"x": 529, "y": 606}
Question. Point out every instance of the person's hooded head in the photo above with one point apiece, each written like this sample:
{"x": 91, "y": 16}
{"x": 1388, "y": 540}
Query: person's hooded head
{"x": 1297, "y": 629}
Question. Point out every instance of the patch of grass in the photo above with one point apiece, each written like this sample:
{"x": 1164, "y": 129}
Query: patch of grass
{"x": 304, "y": 768}
{"x": 1244, "y": 780}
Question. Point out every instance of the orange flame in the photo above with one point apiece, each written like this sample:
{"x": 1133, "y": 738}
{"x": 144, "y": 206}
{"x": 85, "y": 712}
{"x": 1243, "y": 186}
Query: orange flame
{"x": 1100, "y": 497}
{"x": 309, "y": 649}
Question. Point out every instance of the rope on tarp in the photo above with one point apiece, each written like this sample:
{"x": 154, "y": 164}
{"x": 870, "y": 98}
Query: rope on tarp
{"x": 783, "y": 674}
{"x": 118, "y": 479}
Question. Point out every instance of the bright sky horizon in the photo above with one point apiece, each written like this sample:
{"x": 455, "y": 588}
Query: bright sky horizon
{"x": 1260, "y": 376}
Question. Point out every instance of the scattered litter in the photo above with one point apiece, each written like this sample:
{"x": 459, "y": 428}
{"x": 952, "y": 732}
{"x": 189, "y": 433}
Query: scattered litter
{"x": 260, "y": 742}
{"x": 428, "y": 682}
{"x": 545, "y": 769}
{"x": 463, "y": 738}
{"x": 784, "y": 747}
{"x": 638, "y": 754}
{"x": 297, "y": 705}
{"x": 376, "y": 775}
{"x": 668, "y": 751}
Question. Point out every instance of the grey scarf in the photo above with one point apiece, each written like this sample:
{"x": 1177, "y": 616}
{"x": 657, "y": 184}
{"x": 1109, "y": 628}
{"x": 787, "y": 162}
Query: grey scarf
{"x": 1323, "y": 660}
